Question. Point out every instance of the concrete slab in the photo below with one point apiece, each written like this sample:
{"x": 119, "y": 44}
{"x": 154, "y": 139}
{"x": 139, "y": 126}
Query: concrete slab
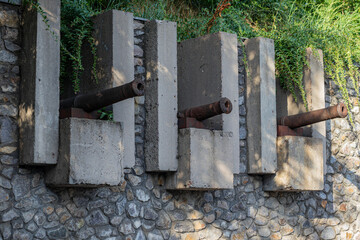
{"x": 91, "y": 154}
{"x": 204, "y": 161}
{"x": 114, "y": 34}
{"x": 315, "y": 75}
{"x": 39, "y": 90}
{"x": 300, "y": 165}
{"x": 161, "y": 96}
{"x": 261, "y": 106}
{"x": 208, "y": 71}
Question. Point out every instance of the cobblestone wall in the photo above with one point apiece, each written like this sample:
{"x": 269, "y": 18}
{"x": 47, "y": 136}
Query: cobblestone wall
{"x": 142, "y": 209}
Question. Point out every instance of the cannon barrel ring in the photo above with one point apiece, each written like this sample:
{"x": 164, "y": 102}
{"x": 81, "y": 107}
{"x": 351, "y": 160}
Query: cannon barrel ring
{"x": 138, "y": 87}
{"x": 225, "y": 105}
{"x": 342, "y": 110}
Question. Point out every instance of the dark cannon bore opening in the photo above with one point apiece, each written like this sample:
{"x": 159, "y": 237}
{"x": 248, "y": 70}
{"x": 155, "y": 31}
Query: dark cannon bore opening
{"x": 140, "y": 86}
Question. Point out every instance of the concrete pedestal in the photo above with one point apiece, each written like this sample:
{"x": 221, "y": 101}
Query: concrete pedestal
{"x": 205, "y": 160}
{"x": 314, "y": 84}
{"x": 114, "y": 35}
{"x": 208, "y": 71}
{"x": 300, "y": 165}
{"x": 91, "y": 154}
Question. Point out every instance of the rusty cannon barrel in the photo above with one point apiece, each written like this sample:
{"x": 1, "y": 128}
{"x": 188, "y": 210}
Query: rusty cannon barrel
{"x": 206, "y": 111}
{"x": 303, "y": 119}
{"x": 94, "y": 101}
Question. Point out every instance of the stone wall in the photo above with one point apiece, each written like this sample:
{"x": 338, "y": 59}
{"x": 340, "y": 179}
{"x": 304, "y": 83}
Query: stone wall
{"x": 141, "y": 208}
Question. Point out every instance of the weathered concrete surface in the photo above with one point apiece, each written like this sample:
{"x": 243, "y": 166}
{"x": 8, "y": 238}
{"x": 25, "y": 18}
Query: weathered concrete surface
{"x": 314, "y": 84}
{"x": 300, "y": 165}
{"x": 315, "y": 75}
{"x": 114, "y": 34}
{"x": 261, "y": 106}
{"x": 39, "y": 105}
{"x": 208, "y": 70}
{"x": 161, "y": 96}
{"x": 91, "y": 153}
{"x": 204, "y": 161}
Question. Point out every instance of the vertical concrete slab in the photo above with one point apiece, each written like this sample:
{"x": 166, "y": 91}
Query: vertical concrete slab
{"x": 261, "y": 106}
{"x": 204, "y": 161}
{"x": 208, "y": 71}
{"x": 300, "y": 165}
{"x": 161, "y": 96}
{"x": 114, "y": 35}
{"x": 91, "y": 153}
{"x": 39, "y": 90}
{"x": 315, "y": 75}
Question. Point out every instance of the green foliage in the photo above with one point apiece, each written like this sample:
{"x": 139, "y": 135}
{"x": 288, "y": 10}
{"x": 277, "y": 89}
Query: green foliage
{"x": 76, "y": 28}
{"x": 337, "y": 29}
{"x": 330, "y": 25}
{"x": 106, "y": 114}
{"x": 191, "y": 22}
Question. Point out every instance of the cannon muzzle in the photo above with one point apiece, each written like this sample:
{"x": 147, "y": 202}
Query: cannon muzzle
{"x": 207, "y": 111}
{"x": 94, "y": 101}
{"x": 303, "y": 119}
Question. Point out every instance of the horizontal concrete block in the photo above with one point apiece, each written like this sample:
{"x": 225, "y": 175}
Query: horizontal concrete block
{"x": 114, "y": 34}
{"x": 90, "y": 154}
{"x": 261, "y": 106}
{"x": 161, "y": 96}
{"x": 208, "y": 71}
{"x": 300, "y": 165}
{"x": 39, "y": 89}
{"x": 204, "y": 161}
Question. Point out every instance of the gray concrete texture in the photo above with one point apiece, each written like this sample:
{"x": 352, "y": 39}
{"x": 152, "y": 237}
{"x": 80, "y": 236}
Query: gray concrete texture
{"x": 204, "y": 161}
{"x": 91, "y": 154}
{"x": 208, "y": 71}
{"x": 114, "y": 35}
{"x": 314, "y": 84}
{"x": 161, "y": 96}
{"x": 300, "y": 165}
{"x": 315, "y": 75}
{"x": 261, "y": 106}
{"x": 39, "y": 104}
